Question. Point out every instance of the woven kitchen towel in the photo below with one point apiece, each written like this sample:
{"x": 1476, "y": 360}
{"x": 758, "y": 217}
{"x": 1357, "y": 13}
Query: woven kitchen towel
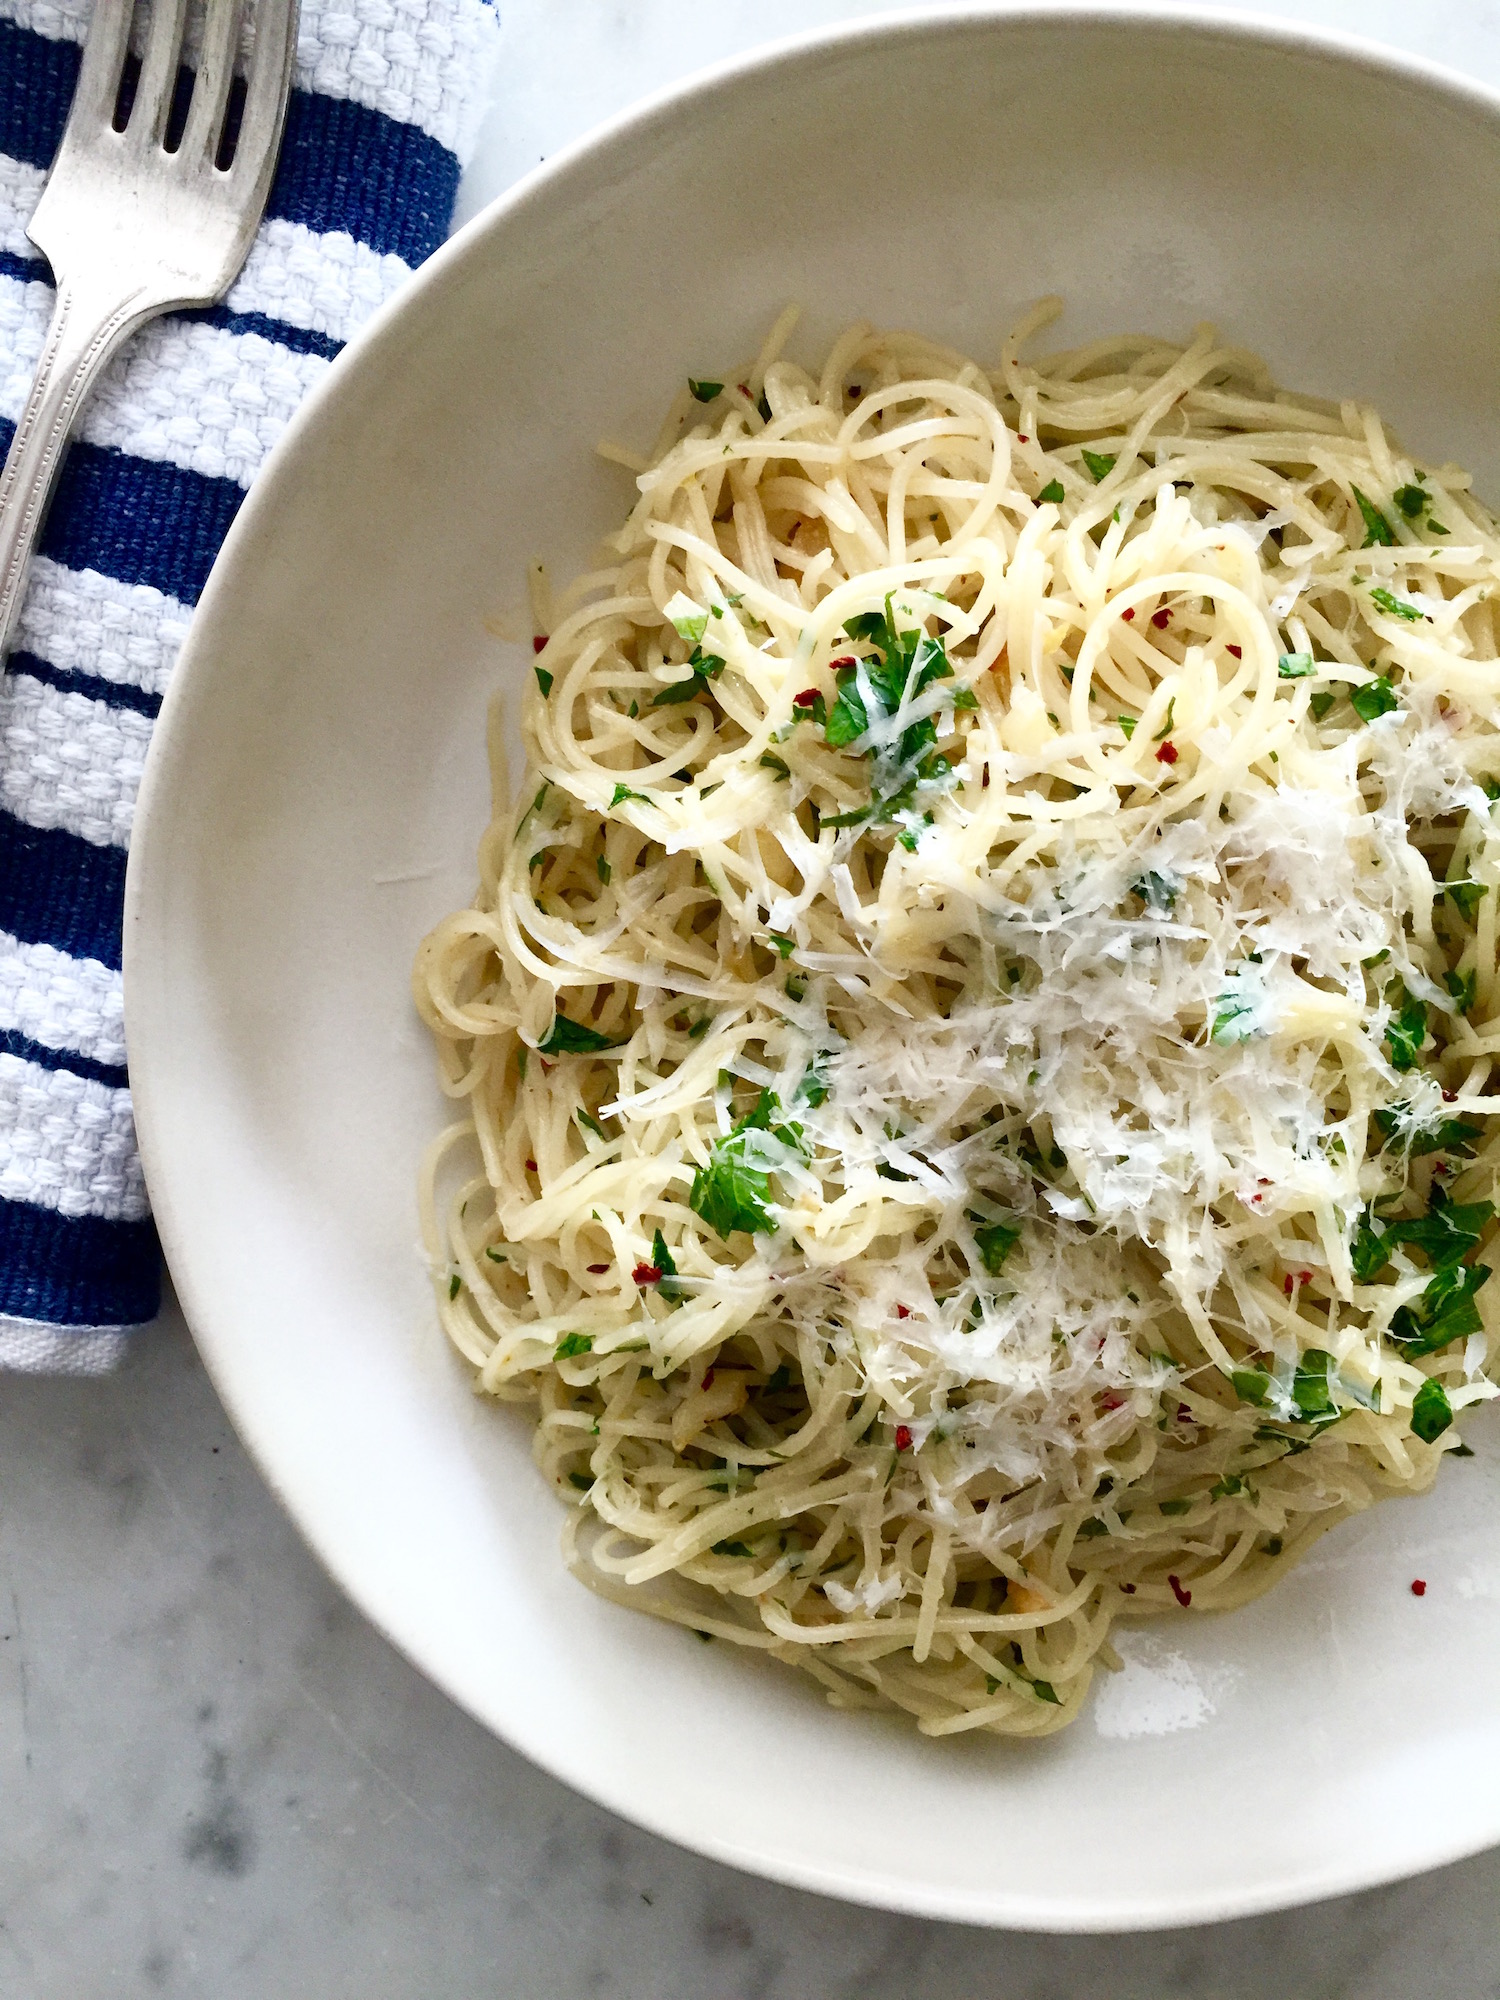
{"x": 385, "y": 102}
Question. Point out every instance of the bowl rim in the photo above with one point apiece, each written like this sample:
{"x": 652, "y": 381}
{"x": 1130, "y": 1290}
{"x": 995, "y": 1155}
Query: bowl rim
{"x": 148, "y": 887}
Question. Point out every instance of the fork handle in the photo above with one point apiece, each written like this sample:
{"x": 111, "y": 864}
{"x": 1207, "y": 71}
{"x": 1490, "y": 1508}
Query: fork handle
{"x": 85, "y": 332}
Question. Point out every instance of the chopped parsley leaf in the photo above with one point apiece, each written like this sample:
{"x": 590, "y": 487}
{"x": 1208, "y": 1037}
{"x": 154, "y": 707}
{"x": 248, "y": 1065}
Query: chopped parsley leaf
{"x": 1372, "y": 698}
{"x": 1466, "y": 895}
{"x": 996, "y": 1240}
{"x": 543, "y": 679}
{"x": 1445, "y": 1312}
{"x": 705, "y": 392}
{"x": 1100, "y": 464}
{"x": 1052, "y": 491}
{"x": 1166, "y": 729}
{"x": 455, "y": 1285}
{"x": 1396, "y": 607}
{"x": 1431, "y": 1412}
{"x": 1310, "y": 1385}
{"x": 572, "y": 1038}
{"x": 1378, "y": 530}
{"x": 622, "y": 793}
{"x": 1251, "y": 1385}
{"x": 602, "y": 868}
{"x": 1296, "y": 666}
{"x": 768, "y": 762}
{"x": 1127, "y": 723}
{"x": 732, "y": 1192}
{"x": 590, "y": 1123}
{"x": 1176, "y": 1506}
{"x": 1320, "y": 702}
{"x": 1406, "y": 1030}
{"x": 700, "y": 1028}
{"x": 1464, "y": 986}
{"x": 1411, "y": 500}
{"x": 572, "y": 1344}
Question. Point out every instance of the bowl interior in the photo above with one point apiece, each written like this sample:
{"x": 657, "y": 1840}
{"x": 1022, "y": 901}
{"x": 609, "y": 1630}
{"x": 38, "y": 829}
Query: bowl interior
{"x": 317, "y": 788}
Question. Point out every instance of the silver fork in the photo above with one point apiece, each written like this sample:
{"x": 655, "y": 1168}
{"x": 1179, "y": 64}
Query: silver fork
{"x": 132, "y": 230}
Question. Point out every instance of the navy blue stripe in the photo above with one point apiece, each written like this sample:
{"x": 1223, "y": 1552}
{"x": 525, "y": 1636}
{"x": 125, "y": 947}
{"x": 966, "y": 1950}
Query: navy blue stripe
{"x": 342, "y": 167}
{"x": 300, "y": 339}
{"x": 118, "y": 694}
{"x": 14, "y": 1043}
{"x": 37, "y": 78}
{"x": 30, "y": 270}
{"x": 57, "y": 888}
{"x": 77, "y": 1270}
{"x": 136, "y": 520}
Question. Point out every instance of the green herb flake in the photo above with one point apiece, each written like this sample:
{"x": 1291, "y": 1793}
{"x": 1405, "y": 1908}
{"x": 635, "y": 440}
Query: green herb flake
{"x": 1251, "y": 1385}
{"x": 1411, "y": 500}
{"x": 573, "y": 1344}
{"x": 1406, "y": 1030}
{"x": 622, "y": 793}
{"x": 1166, "y": 729}
{"x": 1467, "y": 896}
{"x": 455, "y": 1285}
{"x": 1311, "y": 1391}
{"x": 602, "y": 868}
{"x": 1176, "y": 1506}
{"x": 1378, "y": 531}
{"x": 1445, "y": 1312}
{"x": 543, "y": 679}
{"x": 582, "y": 1480}
{"x": 1372, "y": 698}
{"x": 1393, "y": 606}
{"x": 1227, "y": 1487}
{"x": 1320, "y": 702}
{"x": 1127, "y": 723}
{"x": 705, "y": 392}
{"x": 1464, "y": 986}
{"x": 590, "y": 1123}
{"x": 768, "y": 762}
{"x": 1296, "y": 666}
{"x": 1100, "y": 464}
{"x": 733, "y": 1548}
{"x": 1052, "y": 491}
{"x": 996, "y": 1240}
{"x": 1431, "y": 1412}
{"x": 495, "y": 1256}
{"x": 572, "y": 1038}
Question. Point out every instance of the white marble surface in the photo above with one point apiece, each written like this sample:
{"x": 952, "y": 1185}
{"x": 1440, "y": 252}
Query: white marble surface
{"x": 216, "y": 1779}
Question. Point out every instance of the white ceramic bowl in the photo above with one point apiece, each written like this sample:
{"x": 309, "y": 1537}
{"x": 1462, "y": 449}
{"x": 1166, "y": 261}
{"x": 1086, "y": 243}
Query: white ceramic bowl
{"x": 317, "y": 785}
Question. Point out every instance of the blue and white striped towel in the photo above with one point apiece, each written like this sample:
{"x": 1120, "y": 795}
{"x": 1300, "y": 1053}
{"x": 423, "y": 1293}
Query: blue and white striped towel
{"x": 385, "y": 103}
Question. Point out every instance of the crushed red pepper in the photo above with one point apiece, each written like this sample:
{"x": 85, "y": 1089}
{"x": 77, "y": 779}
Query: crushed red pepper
{"x": 1184, "y": 1597}
{"x": 647, "y": 1274}
{"x": 903, "y": 1437}
{"x": 1419, "y": 1586}
{"x": 1167, "y": 754}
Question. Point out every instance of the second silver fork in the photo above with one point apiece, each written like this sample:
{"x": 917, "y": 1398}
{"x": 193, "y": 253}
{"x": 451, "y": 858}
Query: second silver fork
{"x": 133, "y": 230}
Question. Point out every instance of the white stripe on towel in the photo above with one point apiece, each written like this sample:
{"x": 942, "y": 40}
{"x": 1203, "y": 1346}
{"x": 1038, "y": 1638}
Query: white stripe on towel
{"x": 67, "y": 1142}
{"x": 62, "y": 1002}
{"x": 69, "y": 761}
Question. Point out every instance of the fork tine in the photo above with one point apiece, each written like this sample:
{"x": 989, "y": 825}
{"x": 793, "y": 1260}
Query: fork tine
{"x": 221, "y": 36}
{"x": 153, "y": 96}
{"x": 103, "y": 60}
{"x": 270, "y": 78}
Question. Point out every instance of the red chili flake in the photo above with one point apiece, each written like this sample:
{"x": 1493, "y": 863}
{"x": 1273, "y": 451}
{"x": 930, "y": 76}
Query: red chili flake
{"x": 1236, "y": 652}
{"x": 647, "y": 1274}
{"x": 1167, "y": 754}
{"x": 903, "y": 1437}
{"x": 1184, "y": 1597}
{"x": 1111, "y": 1400}
{"x": 546, "y": 1066}
{"x": 1184, "y": 1414}
{"x": 984, "y": 782}
{"x": 806, "y": 699}
{"x": 1263, "y": 1181}
{"x": 1442, "y": 1167}
{"x": 1126, "y": 616}
{"x": 531, "y": 1166}
{"x": 1128, "y": 1588}
{"x": 903, "y": 1312}
{"x": 538, "y": 642}
{"x": 1450, "y": 1097}
{"x": 1419, "y": 1586}
{"x": 1160, "y": 619}
{"x": 1294, "y": 1278}
{"x": 708, "y": 1380}
{"x": 1021, "y": 438}
{"x": 743, "y": 388}
{"x": 597, "y": 1270}
{"x": 843, "y": 660}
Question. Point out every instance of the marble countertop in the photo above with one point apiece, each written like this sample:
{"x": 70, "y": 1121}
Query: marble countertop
{"x": 217, "y": 1779}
